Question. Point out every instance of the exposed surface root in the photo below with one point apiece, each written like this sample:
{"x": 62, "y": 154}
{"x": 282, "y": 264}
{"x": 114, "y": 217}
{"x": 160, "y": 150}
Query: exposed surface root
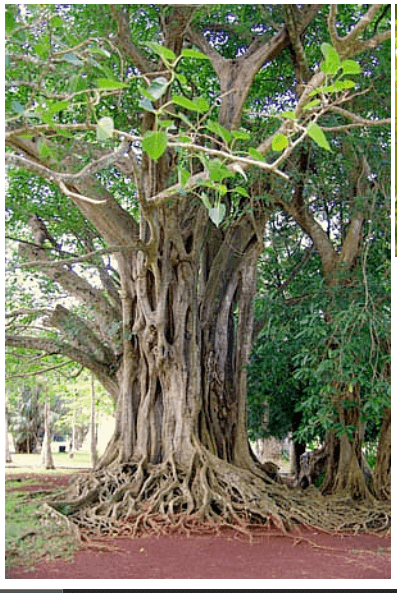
{"x": 139, "y": 498}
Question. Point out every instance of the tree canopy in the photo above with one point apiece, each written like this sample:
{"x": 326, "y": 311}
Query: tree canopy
{"x": 148, "y": 148}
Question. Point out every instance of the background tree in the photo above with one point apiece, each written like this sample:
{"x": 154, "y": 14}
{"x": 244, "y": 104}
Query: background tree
{"x": 157, "y": 155}
{"x": 46, "y": 454}
{"x": 293, "y": 368}
{"x": 8, "y": 457}
{"x": 25, "y": 396}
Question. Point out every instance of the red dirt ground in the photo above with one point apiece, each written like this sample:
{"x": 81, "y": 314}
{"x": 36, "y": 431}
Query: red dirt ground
{"x": 314, "y": 555}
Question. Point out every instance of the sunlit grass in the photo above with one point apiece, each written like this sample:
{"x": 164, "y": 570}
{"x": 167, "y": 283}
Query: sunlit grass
{"x": 32, "y": 462}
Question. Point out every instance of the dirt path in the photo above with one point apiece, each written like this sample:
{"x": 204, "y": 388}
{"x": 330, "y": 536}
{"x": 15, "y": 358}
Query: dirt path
{"x": 224, "y": 557}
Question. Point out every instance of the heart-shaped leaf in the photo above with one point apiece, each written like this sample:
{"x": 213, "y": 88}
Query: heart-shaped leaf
{"x": 350, "y": 67}
{"x": 155, "y": 144}
{"x": 194, "y": 53}
{"x": 214, "y": 126}
{"x": 107, "y": 83}
{"x": 217, "y": 214}
{"x": 316, "y": 134}
{"x": 332, "y": 60}
{"x": 279, "y": 142}
{"x": 199, "y": 104}
{"x": 164, "y": 52}
{"x": 104, "y": 128}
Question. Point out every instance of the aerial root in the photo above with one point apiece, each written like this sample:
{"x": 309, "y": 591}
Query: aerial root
{"x": 138, "y": 498}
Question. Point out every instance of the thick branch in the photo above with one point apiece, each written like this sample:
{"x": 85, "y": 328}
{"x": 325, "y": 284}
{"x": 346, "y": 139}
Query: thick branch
{"x": 353, "y": 239}
{"x": 78, "y": 287}
{"x": 123, "y": 41}
{"x": 101, "y": 371}
{"x": 176, "y": 24}
{"x": 80, "y": 334}
{"x": 109, "y": 218}
{"x": 349, "y": 45}
{"x": 299, "y": 56}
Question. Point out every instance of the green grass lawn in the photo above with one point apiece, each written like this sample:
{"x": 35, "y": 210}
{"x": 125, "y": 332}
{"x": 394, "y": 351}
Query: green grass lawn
{"x": 31, "y": 462}
{"x": 31, "y": 535}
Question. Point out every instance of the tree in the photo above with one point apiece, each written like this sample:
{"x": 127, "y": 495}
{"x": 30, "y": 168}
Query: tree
{"x": 150, "y": 139}
{"x": 301, "y": 354}
{"x": 46, "y": 455}
{"x": 344, "y": 257}
{"x": 7, "y": 443}
{"x": 25, "y": 418}
{"x": 343, "y": 232}
{"x": 288, "y": 288}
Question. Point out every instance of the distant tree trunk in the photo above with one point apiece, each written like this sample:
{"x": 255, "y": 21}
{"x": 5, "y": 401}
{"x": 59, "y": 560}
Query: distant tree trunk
{"x": 73, "y": 442}
{"x": 46, "y": 457}
{"x": 297, "y": 449}
{"x": 8, "y": 454}
{"x": 94, "y": 455}
{"x": 382, "y": 471}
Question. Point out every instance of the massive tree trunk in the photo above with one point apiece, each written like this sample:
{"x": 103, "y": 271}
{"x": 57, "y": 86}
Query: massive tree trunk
{"x": 180, "y": 447}
{"x": 187, "y": 333}
{"x": 191, "y": 316}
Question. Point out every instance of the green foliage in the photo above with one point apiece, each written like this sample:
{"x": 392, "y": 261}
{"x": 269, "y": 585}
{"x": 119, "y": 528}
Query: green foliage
{"x": 62, "y": 71}
{"x": 316, "y": 134}
{"x": 315, "y": 336}
{"x": 279, "y": 142}
{"x": 104, "y": 94}
{"x": 155, "y": 144}
{"x": 104, "y": 129}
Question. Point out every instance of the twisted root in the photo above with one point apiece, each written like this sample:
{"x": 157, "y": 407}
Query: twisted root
{"x": 140, "y": 498}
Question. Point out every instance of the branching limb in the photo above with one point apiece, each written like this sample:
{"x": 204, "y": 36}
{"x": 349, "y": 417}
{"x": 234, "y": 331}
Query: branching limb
{"x": 61, "y": 178}
{"x": 88, "y": 257}
{"x": 356, "y": 119}
{"x": 77, "y": 286}
{"x": 51, "y": 346}
{"x": 80, "y": 334}
{"x": 123, "y": 41}
{"x": 72, "y": 194}
{"x": 42, "y": 371}
{"x": 349, "y": 45}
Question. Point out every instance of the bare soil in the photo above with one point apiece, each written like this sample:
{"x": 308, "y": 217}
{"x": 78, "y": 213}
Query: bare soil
{"x": 308, "y": 555}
